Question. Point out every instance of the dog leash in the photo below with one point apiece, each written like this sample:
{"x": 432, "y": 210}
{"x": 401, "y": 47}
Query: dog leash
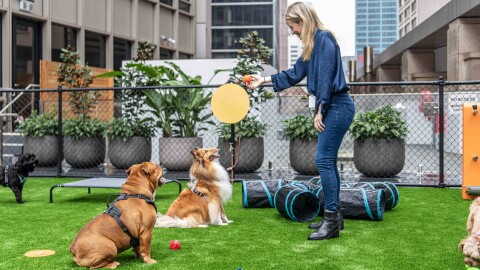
{"x": 233, "y": 157}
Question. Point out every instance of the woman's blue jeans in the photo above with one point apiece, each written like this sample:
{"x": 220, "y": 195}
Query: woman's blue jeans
{"x": 337, "y": 120}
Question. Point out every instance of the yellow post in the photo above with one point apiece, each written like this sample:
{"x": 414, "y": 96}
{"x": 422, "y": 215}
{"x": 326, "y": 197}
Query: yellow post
{"x": 471, "y": 151}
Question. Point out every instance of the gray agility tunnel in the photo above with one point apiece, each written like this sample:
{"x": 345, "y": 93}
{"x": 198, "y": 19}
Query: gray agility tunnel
{"x": 297, "y": 203}
{"x": 260, "y": 193}
{"x": 358, "y": 200}
{"x": 392, "y": 196}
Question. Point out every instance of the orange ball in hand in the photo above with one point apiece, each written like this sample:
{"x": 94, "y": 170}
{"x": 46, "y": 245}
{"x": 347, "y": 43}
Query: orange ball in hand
{"x": 247, "y": 79}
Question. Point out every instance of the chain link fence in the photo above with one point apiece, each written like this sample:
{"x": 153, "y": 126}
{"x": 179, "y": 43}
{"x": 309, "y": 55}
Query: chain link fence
{"x": 431, "y": 110}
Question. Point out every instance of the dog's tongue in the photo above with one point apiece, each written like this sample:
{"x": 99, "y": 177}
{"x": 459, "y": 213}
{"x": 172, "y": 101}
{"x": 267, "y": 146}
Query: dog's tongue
{"x": 213, "y": 157}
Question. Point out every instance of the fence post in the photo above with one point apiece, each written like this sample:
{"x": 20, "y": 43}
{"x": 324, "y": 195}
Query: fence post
{"x": 60, "y": 132}
{"x": 441, "y": 120}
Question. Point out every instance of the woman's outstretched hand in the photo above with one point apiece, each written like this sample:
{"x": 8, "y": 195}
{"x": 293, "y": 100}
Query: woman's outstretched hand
{"x": 255, "y": 82}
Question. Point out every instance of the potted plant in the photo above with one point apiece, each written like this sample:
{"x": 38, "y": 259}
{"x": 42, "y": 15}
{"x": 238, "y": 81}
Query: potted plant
{"x": 130, "y": 142}
{"x": 130, "y": 137}
{"x": 250, "y": 148}
{"x": 303, "y": 144}
{"x": 249, "y": 61}
{"x": 180, "y": 113}
{"x": 84, "y": 145}
{"x": 40, "y": 131}
{"x": 379, "y": 142}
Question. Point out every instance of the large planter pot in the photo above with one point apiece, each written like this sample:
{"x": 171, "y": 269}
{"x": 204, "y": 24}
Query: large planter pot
{"x": 302, "y": 156}
{"x": 45, "y": 149}
{"x": 250, "y": 158}
{"x": 84, "y": 153}
{"x": 175, "y": 153}
{"x": 380, "y": 157}
{"x": 123, "y": 153}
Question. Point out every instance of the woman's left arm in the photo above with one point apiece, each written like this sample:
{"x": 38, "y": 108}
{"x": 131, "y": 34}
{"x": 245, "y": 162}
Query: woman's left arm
{"x": 324, "y": 67}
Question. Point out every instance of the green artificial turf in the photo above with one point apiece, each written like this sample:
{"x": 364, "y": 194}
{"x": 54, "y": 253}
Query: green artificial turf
{"x": 421, "y": 232}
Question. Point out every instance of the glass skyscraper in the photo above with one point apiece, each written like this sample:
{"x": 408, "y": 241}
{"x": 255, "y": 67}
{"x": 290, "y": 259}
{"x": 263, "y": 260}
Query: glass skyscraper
{"x": 376, "y": 25}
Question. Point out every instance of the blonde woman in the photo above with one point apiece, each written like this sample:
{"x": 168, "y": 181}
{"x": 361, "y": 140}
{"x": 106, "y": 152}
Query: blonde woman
{"x": 321, "y": 63}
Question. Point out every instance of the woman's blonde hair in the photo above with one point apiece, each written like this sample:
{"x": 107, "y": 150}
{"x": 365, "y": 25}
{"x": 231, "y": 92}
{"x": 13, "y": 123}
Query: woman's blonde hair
{"x": 301, "y": 12}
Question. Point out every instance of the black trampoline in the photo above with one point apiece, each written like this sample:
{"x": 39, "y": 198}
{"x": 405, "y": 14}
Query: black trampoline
{"x": 101, "y": 182}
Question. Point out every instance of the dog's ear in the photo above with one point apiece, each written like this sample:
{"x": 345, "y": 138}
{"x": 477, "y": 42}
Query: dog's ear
{"x": 130, "y": 169}
{"x": 194, "y": 151}
{"x": 146, "y": 168}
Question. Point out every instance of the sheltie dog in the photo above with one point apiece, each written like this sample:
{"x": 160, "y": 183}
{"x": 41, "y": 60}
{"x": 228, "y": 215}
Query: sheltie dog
{"x": 202, "y": 203}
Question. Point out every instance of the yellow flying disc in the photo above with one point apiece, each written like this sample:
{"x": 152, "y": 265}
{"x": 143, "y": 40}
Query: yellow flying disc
{"x": 230, "y": 103}
{"x": 39, "y": 253}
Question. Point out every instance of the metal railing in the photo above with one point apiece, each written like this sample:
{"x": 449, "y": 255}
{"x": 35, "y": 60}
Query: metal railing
{"x": 431, "y": 109}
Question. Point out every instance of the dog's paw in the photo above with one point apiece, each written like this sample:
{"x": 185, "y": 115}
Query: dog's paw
{"x": 149, "y": 261}
{"x": 112, "y": 265}
{"x": 202, "y": 226}
{"x": 229, "y": 221}
{"x": 223, "y": 224}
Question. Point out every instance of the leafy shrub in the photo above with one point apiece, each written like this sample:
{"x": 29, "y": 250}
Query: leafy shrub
{"x": 381, "y": 123}
{"x": 299, "y": 127}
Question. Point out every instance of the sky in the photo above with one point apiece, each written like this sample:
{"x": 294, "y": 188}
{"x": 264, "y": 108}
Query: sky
{"x": 338, "y": 16}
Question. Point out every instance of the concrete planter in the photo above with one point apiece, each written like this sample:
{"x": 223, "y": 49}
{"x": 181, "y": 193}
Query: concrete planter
{"x": 302, "y": 156}
{"x": 84, "y": 153}
{"x": 175, "y": 153}
{"x": 379, "y": 158}
{"x": 45, "y": 149}
{"x": 250, "y": 158}
{"x": 125, "y": 153}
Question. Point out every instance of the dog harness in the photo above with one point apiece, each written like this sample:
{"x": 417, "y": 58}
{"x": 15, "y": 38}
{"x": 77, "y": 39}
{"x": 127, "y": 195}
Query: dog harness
{"x": 114, "y": 212}
{"x": 22, "y": 178}
{"x": 191, "y": 185}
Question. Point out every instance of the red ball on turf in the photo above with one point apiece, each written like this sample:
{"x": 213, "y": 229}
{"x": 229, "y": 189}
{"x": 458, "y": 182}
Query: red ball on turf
{"x": 174, "y": 244}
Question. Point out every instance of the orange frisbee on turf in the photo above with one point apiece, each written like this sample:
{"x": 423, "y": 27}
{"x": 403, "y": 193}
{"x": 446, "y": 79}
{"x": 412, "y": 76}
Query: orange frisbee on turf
{"x": 39, "y": 253}
{"x": 230, "y": 103}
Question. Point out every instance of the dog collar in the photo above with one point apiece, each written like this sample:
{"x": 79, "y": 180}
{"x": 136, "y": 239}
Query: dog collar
{"x": 191, "y": 185}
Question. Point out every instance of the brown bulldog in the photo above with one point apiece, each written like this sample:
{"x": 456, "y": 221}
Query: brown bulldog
{"x": 128, "y": 222}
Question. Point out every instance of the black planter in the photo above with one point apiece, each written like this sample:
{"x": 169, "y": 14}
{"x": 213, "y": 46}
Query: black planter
{"x": 45, "y": 149}
{"x": 250, "y": 158}
{"x": 123, "y": 153}
{"x": 379, "y": 158}
{"x": 84, "y": 153}
{"x": 302, "y": 156}
{"x": 175, "y": 153}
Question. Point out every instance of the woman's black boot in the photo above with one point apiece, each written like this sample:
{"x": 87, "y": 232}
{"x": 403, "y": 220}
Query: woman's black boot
{"x": 330, "y": 227}
{"x": 317, "y": 225}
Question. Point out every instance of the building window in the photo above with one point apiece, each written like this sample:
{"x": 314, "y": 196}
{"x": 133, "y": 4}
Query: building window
{"x": 242, "y": 15}
{"x": 184, "y": 56}
{"x": 62, "y": 37}
{"x": 400, "y": 33}
{"x": 167, "y": 2}
{"x": 400, "y": 18}
{"x": 414, "y": 22}
{"x": 414, "y": 5}
{"x": 227, "y": 38}
{"x": 184, "y": 6}
{"x": 95, "y": 50}
{"x": 122, "y": 50}
{"x": 166, "y": 54}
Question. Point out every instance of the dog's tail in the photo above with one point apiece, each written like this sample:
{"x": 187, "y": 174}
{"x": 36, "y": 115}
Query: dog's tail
{"x": 164, "y": 221}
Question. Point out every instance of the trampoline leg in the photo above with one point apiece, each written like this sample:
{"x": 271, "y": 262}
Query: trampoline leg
{"x": 51, "y": 192}
{"x": 88, "y": 190}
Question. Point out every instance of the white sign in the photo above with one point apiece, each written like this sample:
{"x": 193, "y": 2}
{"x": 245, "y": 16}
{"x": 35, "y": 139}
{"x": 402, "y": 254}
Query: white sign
{"x": 455, "y": 101}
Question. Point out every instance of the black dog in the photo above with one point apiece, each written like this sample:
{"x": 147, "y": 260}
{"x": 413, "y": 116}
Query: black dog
{"x": 15, "y": 176}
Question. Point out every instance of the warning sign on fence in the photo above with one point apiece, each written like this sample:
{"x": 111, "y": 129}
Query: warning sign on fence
{"x": 455, "y": 101}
